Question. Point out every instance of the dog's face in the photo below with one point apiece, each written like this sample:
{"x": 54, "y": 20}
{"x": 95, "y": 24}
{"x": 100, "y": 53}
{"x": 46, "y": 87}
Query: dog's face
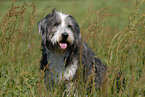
{"x": 59, "y": 31}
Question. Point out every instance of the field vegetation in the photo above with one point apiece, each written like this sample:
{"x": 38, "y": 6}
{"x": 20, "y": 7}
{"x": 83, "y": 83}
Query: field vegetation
{"x": 114, "y": 29}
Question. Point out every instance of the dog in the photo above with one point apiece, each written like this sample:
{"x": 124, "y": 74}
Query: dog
{"x": 64, "y": 52}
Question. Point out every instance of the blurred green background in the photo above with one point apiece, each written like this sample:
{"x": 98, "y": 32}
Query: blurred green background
{"x": 119, "y": 9}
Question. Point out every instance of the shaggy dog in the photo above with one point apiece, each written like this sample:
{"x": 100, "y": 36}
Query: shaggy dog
{"x": 64, "y": 52}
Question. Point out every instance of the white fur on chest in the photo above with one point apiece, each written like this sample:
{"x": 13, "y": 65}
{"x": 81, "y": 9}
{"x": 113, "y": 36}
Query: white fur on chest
{"x": 69, "y": 72}
{"x": 57, "y": 65}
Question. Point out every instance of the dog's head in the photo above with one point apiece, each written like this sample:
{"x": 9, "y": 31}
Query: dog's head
{"x": 59, "y": 31}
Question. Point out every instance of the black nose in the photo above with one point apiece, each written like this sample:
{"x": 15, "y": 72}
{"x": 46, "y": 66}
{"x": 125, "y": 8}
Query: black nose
{"x": 64, "y": 35}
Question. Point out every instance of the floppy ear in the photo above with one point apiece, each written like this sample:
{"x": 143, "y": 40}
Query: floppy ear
{"x": 41, "y": 27}
{"x": 42, "y": 31}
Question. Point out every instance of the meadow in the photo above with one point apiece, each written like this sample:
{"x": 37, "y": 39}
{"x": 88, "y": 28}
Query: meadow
{"x": 114, "y": 29}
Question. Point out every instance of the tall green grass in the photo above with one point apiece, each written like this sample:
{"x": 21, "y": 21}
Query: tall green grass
{"x": 122, "y": 49}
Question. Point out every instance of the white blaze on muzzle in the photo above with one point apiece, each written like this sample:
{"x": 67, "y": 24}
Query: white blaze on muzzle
{"x": 63, "y": 28}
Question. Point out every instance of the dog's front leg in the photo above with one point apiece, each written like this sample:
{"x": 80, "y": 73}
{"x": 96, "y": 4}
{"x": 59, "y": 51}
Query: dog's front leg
{"x": 70, "y": 90}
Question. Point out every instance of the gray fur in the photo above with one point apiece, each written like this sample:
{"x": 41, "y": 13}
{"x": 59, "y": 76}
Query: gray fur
{"x": 63, "y": 64}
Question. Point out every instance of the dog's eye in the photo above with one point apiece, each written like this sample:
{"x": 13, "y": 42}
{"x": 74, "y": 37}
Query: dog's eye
{"x": 56, "y": 24}
{"x": 69, "y": 26}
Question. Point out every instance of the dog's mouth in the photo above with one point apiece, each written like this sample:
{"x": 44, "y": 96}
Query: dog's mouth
{"x": 63, "y": 44}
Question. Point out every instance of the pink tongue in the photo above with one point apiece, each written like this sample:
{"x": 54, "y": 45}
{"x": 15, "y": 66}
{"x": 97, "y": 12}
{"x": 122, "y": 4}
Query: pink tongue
{"x": 63, "y": 45}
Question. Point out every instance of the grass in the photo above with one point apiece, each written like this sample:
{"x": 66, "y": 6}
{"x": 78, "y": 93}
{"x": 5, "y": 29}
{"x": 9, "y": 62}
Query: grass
{"x": 114, "y": 30}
